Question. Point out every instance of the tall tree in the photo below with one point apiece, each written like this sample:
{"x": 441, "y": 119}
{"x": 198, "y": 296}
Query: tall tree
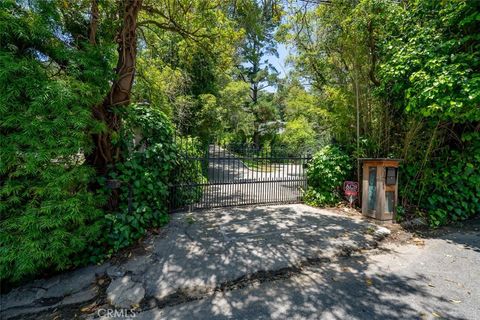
{"x": 104, "y": 152}
{"x": 188, "y": 19}
{"x": 259, "y": 20}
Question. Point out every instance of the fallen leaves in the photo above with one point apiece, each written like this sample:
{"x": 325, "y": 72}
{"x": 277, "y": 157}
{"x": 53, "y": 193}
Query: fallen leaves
{"x": 418, "y": 241}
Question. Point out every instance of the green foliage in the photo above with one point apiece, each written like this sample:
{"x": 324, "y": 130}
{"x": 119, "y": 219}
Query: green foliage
{"x": 449, "y": 188}
{"x": 143, "y": 175}
{"x": 298, "y": 137}
{"x": 258, "y": 19}
{"x": 326, "y": 172}
{"x": 189, "y": 53}
{"x": 432, "y": 69}
{"x": 431, "y": 73}
{"x": 48, "y": 214}
{"x": 412, "y": 69}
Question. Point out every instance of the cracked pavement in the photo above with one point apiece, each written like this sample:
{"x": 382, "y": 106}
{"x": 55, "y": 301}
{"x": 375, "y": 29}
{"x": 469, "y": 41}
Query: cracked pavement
{"x": 273, "y": 262}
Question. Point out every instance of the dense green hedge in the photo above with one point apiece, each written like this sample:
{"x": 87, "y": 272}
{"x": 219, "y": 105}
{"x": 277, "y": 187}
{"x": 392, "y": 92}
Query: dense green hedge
{"x": 47, "y": 213}
{"x": 326, "y": 172}
{"x": 448, "y": 188}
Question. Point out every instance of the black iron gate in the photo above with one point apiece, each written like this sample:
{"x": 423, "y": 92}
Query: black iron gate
{"x": 232, "y": 175}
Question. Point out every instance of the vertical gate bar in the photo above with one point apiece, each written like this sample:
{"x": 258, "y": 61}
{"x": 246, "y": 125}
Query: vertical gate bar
{"x": 284, "y": 177}
{"x": 296, "y": 175}
{"x": 207, "y": 187}
{"x": 247, "y": 175}
{"x": 264, "y": 191}
{"x": 244, "y": 186}
{"x": 238, "y": 170}
{"x": 233, "y": 155}
{"x": 203, "y": 177}
{"x": 302, "y": 176}
{"x": 306, "y": 173}
{"x": 257, "y": 153}
{"x": 205, "y": 165}
{"x": 223, "y": 188}
{"x": 284, "y": 162}
{"x": 279, "y": 175}
{"x": 218, "y": 167}
{"x": 273, "y": 177}
{"x": 211, "y": 168}
{"x": 211, "y": 177}
{"x": 232, "y": 175}
{"x": 286, "y": 170}
{"x": 228, "y": 186}
{"x": 220, "y": 178}
{"x": 288, "y": 178}
{"x": 263, "y": 176}
{"x": 301, "y": 185}
{"x": 242, "y": 172}
{"x": 269, "y": 176}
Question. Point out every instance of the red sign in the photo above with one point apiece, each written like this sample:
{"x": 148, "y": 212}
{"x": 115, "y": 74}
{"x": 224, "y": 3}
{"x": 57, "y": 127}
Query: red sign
{"x": 350, "y": 188}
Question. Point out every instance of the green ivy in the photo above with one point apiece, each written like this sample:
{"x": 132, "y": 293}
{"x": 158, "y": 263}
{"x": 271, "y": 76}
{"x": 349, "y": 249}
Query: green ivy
{"x": 449, "y": 188}
{"x": 326, "y": 172}
{"x": 143, "y": 176}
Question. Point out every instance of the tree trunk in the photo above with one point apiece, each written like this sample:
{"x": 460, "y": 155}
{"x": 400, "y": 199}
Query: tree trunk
{"x": 105, "y": 154}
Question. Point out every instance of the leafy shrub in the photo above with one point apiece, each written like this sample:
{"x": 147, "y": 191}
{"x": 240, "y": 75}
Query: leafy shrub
{"x": 47, "y": 213}
{"x": 149, "y": 157}
{"x": 326, "y": 173}
{"x": 448, "y": 189}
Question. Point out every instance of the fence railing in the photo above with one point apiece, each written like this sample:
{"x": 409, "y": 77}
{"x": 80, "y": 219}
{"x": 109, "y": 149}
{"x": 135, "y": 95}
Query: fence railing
{"x": 215, "y": 175}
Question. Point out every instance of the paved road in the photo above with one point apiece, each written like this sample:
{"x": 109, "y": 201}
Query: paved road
{"x": 275, "y": 262}
{"x": 437, "y": 280}
{"x": 196, "y": 256}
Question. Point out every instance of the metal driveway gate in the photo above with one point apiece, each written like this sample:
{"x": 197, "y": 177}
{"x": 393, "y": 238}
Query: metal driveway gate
{"x": 232, "y": 175}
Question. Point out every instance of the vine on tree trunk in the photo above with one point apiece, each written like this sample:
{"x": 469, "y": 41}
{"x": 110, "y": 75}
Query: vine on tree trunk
{"x": 105, "y": 154}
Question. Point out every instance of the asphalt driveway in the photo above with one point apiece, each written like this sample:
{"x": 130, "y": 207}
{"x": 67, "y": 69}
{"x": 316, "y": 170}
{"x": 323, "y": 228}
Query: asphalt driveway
{"x": 274, "y": 262}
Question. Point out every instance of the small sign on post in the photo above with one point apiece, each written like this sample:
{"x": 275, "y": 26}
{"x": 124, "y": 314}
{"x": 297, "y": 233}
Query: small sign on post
{"x": 350, "y": 188}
